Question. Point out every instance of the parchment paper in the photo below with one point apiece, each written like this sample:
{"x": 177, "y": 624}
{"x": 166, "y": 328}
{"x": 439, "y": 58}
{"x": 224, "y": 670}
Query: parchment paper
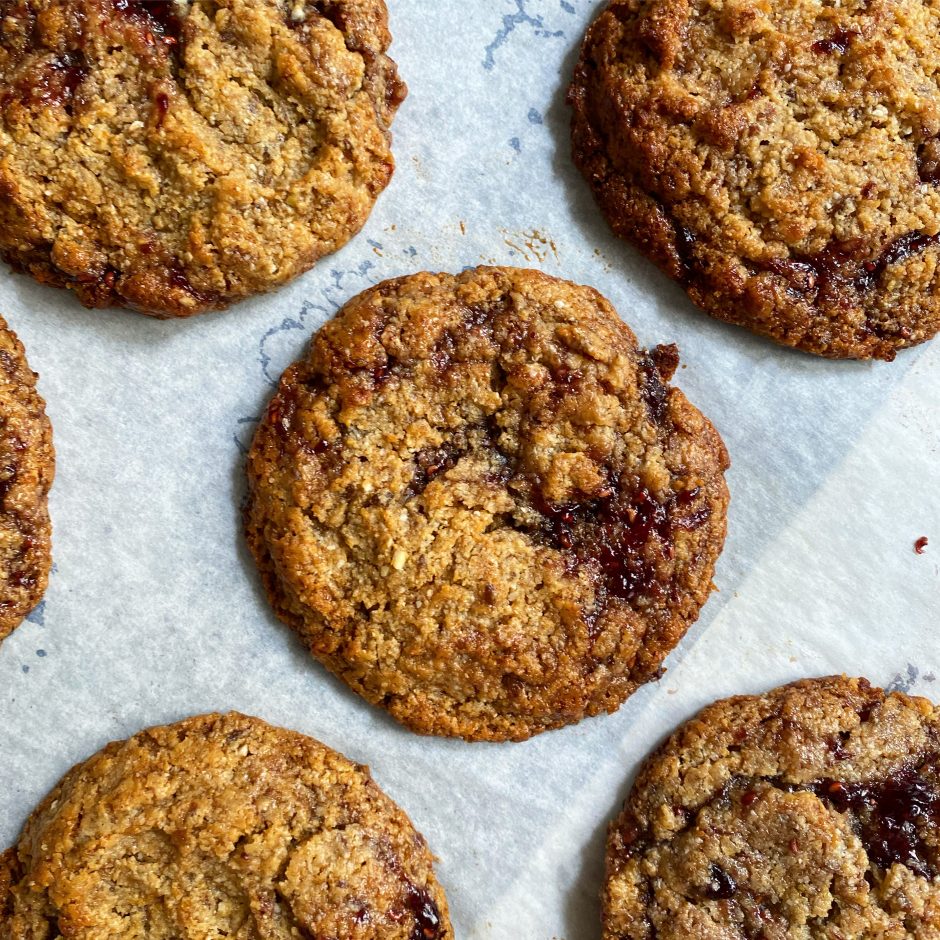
{"x": 154, "y": 611}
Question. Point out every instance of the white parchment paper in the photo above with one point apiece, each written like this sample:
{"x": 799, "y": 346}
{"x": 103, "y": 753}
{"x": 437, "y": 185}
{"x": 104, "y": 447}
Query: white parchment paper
{"x": 154, "y": 611}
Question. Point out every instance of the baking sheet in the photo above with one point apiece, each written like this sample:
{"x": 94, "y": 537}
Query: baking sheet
{"x": 154, "y": 611}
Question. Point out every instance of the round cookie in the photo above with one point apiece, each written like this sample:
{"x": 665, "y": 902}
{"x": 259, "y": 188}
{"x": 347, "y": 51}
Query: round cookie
{"x": 174, "y": 156}
{"x": 27, "y": 466}
{"x": 811, "y": 811}
{"x": 220, "y": 826}
{"x": 481, "y": 505}
{"x": 781, "y": 160}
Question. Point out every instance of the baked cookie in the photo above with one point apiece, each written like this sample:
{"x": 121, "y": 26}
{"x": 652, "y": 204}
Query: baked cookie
{"x": 780, "y": 159}
{"x": 220, "y": 826}
{"x": 175, "y": 156}
{"x": 812, "y": 811}
{"x": 27, "y": 465}
{"x": 481, "y": 505}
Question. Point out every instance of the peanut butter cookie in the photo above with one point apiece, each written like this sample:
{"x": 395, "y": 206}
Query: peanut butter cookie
{"x": 781, "y": 160}
{"x": 175, "y": 156}
{"x": 812, "y": 811}
{"x": 482, "y": 506}
{"x": 220, "y": 826}
{"x": 27, "y": 466}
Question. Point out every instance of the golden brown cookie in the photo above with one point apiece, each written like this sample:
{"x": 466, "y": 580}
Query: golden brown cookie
{"x": 812, "y": 811}
{"x": 220, "y": 826}
{"x": 27, "y": 465}
{"x": 175, "y": 156}
{"x": 481, "y": 505}
{"x": 780, "y": 159}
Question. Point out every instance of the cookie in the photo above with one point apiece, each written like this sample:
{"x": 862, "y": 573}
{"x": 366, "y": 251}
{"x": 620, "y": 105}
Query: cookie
{"x": 482, "y": 506}
{"x": 811, "y": 811}
{"x": 27, "y": 466}
{"x": 220, "y": 826}
{"x": 780, "y": 160}
{"x": 175, "y": 156}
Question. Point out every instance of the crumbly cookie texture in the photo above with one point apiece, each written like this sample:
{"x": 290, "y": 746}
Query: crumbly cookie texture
{"x": 27, "y": 466}
{"x": 780, "y": 159}
{"x": 220, "y": 826}
{"x": 174, "y": 157}
{"x": 812, "y": 811}
{"x": 481, "y": 505}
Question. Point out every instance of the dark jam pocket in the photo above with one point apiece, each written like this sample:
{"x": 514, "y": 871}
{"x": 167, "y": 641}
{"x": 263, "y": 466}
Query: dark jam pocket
{"x": 840, "y": 266}
{"x": 427, "y": 917}
{"x": 160, "y": 16}
{"x": 609, "y": 536}
{"x": 721, "y": 886}
{"x": 839, "y": 42}
{"x": 656, "y": 368}
{"x": 430, "y": 462}
{"x": 928, "y": 161}
{"x": 890, "y": 817}
{"x": 51, "y": 83}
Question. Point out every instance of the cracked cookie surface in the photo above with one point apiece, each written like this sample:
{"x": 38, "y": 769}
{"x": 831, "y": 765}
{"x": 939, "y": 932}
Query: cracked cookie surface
{"x": 220, "y": 825}
{"x": 27, "y": 466}
{"x": 812, "y": 811}
{"x": 175, "y": 156}
{"x": 781, "y": 160}
{"x": 482, "y": 506}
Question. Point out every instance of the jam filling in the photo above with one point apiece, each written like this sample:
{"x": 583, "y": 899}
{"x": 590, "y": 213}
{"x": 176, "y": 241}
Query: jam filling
{"x": 421, "y": 906}
{"x": 721, "y": 886}
{"x": 891, "y": 815}
{"x": 161, "y": 105}
{"x": 429, "y": 462}
{"x": 161, "y": 17}
{"x": 8, "y": 475}
{"x": 657, "y": 368}
{"x": 476, "y": 320}
{"x": 686, "y": 241}
{"x": 928, "y": 161}
{"x": 839, "y": 42}
{"x": 283, "y": 417}
{"x": 55, "y": 84}
{"x": 327, "y": 9}
{"x": 838, "y": 266}
{"x": 609, "y": 535}
{"x": 66, "y": 73}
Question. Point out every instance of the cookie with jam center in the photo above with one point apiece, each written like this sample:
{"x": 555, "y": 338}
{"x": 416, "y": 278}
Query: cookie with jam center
{"x": 480, "y": 504}
{"x": 779, "y": 160}
{"x": 27, "y": 466}
{"x": 220, "y": 825}
{"x": 175, "y": 156}
{"x": 810, "y": 811}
